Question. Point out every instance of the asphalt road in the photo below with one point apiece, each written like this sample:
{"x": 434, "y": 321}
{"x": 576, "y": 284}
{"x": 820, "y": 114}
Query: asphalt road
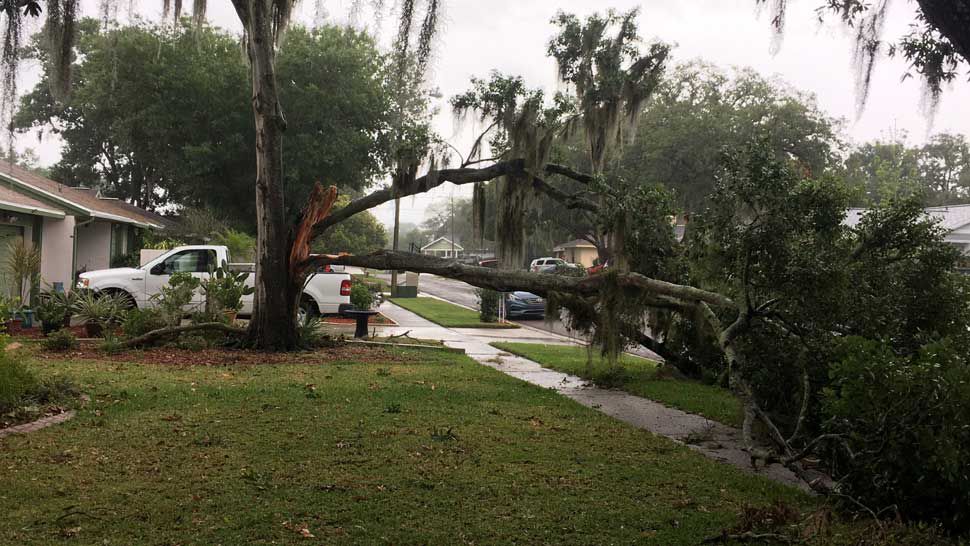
{"x": 464, "y": 294}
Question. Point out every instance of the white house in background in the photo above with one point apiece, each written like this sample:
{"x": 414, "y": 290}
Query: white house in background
{"x": 442, "y": 247}
{"x": 955, "y": 219}
{"x": 74, "y": 228}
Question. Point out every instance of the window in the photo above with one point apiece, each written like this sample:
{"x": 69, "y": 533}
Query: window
{"x": 188, "y": 261}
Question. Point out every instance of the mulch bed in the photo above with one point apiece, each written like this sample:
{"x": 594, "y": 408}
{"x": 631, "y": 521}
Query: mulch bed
{"x": 37, "y": 333}
{"x": 171, "y": 356}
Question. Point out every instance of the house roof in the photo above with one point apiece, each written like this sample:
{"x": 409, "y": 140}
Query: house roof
{"x": 166, "y": 222}
{"x": 575, "y": 243}
{"x": 71, "y": 199}
{"x": 14, "y": 201}
{"x": 446, "y": 240}
{"x": 950, "y": 217}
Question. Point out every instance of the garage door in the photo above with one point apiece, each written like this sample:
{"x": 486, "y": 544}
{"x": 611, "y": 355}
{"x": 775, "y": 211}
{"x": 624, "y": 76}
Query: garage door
{"x": 8, "y": 235}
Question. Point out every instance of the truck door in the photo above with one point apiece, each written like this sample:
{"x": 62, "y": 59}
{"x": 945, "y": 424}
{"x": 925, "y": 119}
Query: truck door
{"x": 196, "y": 261}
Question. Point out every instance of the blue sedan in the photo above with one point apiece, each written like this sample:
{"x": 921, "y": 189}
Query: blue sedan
{"x": 524, "y": 305}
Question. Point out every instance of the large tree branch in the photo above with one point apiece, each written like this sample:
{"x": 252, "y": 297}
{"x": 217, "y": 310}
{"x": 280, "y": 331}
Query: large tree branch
{"x": 537, "y": 283}
{"x": 458, "y": 176}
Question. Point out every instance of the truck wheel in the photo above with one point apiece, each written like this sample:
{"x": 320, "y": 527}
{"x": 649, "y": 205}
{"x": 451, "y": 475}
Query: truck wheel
{"x": 308, "y": 310}
{"x": 128, "y": 302}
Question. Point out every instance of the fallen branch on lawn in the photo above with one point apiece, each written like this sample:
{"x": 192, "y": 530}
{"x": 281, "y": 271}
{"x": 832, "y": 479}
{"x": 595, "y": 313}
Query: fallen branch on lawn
{"x": 154, "y": 335}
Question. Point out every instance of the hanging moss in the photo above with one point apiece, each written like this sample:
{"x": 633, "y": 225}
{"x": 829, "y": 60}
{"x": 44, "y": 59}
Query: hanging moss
{"x": 603, "y": 318}
{"x": 60, "y": 36}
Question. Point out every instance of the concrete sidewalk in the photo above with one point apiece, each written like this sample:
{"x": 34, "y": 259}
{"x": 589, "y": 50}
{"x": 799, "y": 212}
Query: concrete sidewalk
{"x": 715, "y": 440}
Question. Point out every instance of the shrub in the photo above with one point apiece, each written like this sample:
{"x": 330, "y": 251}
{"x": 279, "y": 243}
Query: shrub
{"x": 50, "y": 311}
{"x": 488, "y": 301}
{"x": 53, "y": 391}
{"x": 173, "y": 298}
{"x": 361, "y": 296}
{"x": 905, "y": 421}
{"x": 16, "y": 381}
{"x": 61, "y": 340}
{"x": 311, "y": 336}
{"x": 131, "y": 259}
{"x": 139, "y": 322}
{"x": 572, "y": 270}
{"x": 224, "y": 290}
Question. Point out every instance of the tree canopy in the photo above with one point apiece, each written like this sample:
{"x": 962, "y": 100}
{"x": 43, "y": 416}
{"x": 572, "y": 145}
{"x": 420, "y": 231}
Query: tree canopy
{"x": 159, "y": 115}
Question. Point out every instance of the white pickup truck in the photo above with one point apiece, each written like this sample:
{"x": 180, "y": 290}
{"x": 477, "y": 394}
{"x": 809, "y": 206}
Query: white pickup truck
{"x": 324, "y": 292}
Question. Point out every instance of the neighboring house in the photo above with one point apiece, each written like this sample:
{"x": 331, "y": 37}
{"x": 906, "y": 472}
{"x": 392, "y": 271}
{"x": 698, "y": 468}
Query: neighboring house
{"x": 577, "y": 251}
{"x": 74, "y": 228}
{"x": 442, "y": 247}
{"x": 955, "y": 219}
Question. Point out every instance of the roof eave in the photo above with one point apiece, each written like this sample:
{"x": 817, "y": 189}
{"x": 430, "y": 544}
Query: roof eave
{"x": 26, "y": 209}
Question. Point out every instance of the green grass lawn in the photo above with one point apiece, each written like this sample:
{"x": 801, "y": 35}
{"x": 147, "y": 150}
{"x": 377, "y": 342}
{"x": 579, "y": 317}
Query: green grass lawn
{"x": 446, "y": 314}
{"x": 639, "y": 377}
{"x": 376, "y": 282}
{"x": 409, "y": 448}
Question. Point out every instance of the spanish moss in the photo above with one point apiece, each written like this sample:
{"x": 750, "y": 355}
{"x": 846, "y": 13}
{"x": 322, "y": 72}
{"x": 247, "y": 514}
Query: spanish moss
{"x": 9, "y": 63}
{"x": 60, "y": 36}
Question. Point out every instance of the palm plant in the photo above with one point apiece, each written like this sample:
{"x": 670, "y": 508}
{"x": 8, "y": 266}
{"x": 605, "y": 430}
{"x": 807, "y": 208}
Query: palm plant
{"x": 24, "y": 265}
{"x": 99, "y": 311}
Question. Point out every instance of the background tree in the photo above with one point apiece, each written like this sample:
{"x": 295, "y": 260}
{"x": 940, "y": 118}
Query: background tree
{"x": 945, "y": 169}
{"x": 122, "y": 132}
{"x": 612, "y": 81}
{"x": 358, "y": 235}
{"x": 936, "y": 173}
{"x": 700, "y": 110}
{"x": 882, "y": 170}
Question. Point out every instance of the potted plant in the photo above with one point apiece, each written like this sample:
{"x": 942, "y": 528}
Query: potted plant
{"x": 224, "y": 292}
{"x": 97, "y": 312}
{"x": 66, "y": 301}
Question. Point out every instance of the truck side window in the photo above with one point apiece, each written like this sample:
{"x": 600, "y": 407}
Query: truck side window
{"x": 188, "y": 261}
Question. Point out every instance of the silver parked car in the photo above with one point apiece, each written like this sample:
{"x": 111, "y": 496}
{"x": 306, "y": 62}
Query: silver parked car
{"x": 548, "y": 265}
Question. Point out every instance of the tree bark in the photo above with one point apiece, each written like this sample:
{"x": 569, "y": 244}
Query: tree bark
{"x": 510, "y": 224}
{"x": 273, "y": 324}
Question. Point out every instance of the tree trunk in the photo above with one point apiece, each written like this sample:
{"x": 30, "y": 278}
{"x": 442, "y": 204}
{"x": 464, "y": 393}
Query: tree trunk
{"x": 510, "y": 227}
{"x": 273, "y": 324}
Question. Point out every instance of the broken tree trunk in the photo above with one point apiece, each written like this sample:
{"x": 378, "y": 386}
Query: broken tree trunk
{"x": 273, "y": 324}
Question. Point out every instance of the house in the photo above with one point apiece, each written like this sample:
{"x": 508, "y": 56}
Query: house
{"x": 443, "y": 247}
{"x": 577, "y": 251}
{"x": 955, "y": 219}
{"x": 75, "y": 228}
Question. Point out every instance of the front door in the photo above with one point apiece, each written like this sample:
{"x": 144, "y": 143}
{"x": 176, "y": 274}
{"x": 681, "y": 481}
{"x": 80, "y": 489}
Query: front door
{"x": 198, "y": 262}
{"x": 8, "y": 236}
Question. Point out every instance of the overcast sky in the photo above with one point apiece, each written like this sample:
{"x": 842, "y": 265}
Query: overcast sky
{"x": 511, "y": 36}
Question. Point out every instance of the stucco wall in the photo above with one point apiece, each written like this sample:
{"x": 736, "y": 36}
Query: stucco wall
{"x": 56, "y": 249}
{"x": 93, "y": 246}
{"x": 578, "y": 255}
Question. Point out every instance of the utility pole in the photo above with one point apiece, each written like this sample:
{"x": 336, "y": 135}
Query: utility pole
{"x": 397, "y": 229}
{"x": 453, "y": 224}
